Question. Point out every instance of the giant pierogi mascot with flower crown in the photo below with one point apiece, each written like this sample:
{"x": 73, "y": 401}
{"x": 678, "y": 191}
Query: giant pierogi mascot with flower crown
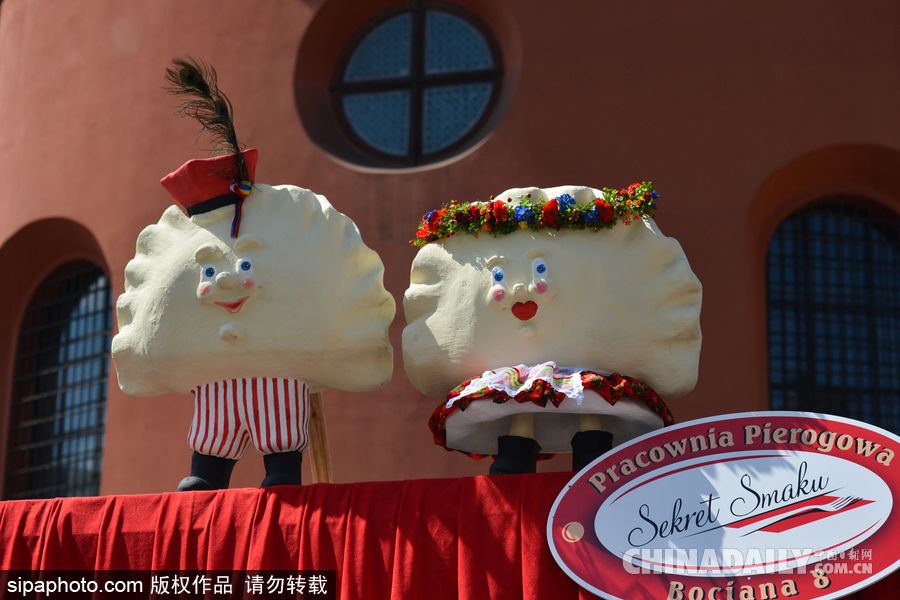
{"x": 248, "y": 297}
{"x": 548, "y": 321}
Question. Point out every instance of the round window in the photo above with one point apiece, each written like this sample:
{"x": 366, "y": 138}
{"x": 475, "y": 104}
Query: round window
{"x": 416, "y": 85}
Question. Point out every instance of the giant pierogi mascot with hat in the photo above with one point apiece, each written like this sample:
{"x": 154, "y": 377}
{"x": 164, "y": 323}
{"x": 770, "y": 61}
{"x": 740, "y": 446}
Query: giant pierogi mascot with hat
{"x": 548, "y": 321}
{"x": 247, "y": 297}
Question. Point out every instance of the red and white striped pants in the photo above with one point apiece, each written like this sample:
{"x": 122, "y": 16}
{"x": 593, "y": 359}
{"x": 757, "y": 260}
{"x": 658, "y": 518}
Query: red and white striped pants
{"x": 273, "y": 414}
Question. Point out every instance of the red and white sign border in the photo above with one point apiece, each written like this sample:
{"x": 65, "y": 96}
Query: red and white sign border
{"x": 579, "y": 552}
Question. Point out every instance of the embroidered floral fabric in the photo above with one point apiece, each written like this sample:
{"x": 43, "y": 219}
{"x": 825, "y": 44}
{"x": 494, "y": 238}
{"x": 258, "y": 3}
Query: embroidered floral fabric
{"x": 539, "y": 385}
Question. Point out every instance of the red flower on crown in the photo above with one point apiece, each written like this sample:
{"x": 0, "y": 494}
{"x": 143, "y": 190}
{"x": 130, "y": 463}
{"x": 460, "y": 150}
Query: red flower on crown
{"x": 434, "y": 219}
{"x": 604, "y": 210}
{"x": 499, "y": 210}
{"x": 550, "y": 212}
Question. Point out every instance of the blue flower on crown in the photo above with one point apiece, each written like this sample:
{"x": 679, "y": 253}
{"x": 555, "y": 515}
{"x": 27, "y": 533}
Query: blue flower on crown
{"x": 523, "y": 213}
{"x": 591, "y": 216}
{"x": 565, "y": 201}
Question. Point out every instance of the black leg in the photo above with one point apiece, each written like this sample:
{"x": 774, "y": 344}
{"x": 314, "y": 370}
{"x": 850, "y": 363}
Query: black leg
{"x": 515, "y": 455}
{"x": 589, "y": 445}
{"x": 208, "y": 473}
{"x": 282, "y": 468}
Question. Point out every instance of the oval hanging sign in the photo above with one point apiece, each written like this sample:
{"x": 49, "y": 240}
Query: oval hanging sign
{"x": 751, "y": 505}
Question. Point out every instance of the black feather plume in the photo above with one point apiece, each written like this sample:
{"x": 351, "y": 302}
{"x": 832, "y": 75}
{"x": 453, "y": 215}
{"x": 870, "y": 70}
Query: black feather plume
{"x": 196, "y": 81}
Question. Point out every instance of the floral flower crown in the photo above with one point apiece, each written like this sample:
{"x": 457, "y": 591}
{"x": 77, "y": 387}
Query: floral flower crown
{"x": 499, "y": 217}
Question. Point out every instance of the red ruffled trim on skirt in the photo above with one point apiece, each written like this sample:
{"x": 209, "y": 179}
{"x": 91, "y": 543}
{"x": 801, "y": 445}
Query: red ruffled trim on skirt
{"x": 611, "y": 387}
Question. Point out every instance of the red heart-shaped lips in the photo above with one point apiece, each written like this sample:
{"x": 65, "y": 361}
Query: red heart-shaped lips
{"x": 524, "y": 310}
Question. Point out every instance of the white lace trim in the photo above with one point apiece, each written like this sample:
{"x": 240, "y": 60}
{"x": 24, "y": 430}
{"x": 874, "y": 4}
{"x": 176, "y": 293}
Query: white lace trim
{"x": 512, "y": 380}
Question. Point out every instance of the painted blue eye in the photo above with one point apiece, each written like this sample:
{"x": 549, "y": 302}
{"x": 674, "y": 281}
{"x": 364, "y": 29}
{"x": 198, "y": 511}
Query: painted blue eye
{"x": 208, "y": 273}
{"x": 244, "y": 266}
{"x": 497, "y": 274}
{"x": 538, "y": 267}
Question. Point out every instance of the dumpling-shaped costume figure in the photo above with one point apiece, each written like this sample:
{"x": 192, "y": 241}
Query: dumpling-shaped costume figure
{"x": 550, "y": 320}
{"x": 249, "y": 304}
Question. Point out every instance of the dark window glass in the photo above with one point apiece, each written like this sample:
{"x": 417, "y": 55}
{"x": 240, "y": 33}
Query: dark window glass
{"x": 452, "y": 45}
{"x": 833, "y": 286}
{"x": 416, "y": 84}
{"x": 385, "y": 53}
{"x": 381, "y": 119}
{"x": 59, "y": 388}
{"x": 449, "y": 110}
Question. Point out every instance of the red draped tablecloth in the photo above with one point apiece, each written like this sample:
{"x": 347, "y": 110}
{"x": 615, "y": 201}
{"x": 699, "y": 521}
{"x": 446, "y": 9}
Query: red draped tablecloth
{"x": 471, "y": 538}
{"x": 476, "y": 537}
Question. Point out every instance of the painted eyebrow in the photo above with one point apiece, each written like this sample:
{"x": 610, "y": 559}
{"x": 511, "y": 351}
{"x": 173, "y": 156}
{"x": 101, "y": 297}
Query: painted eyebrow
{"x": 247, "y": 241}
{"x": 208, "y": 252}
{"x": 536, "y": 252}
{"x": 495, "y": 260}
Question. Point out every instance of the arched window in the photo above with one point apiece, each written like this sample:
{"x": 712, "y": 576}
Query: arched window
{"x": 59, "y": 387}
{"x": 416, "y": 84}
{"x": 833, "y": 287}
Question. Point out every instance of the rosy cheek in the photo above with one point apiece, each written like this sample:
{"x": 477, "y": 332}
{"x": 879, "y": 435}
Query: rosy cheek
{"x": 204, "y": 289}
{"x": 498, "y": 294}
{"x": 249, "y": 283}
{"x": 541, "y": 287}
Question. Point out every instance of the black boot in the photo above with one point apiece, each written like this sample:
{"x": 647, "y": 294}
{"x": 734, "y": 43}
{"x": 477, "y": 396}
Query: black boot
{"x": 589, "y": 445}
{"x": 208, "y": 473}
{"x": 282, "y": 468}
{"x": 515, "y": 455}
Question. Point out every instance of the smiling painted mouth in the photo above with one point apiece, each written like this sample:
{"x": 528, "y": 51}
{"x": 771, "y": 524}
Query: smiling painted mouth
{"x": 234, "y": 306}
{"x": 524, "y": 310}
